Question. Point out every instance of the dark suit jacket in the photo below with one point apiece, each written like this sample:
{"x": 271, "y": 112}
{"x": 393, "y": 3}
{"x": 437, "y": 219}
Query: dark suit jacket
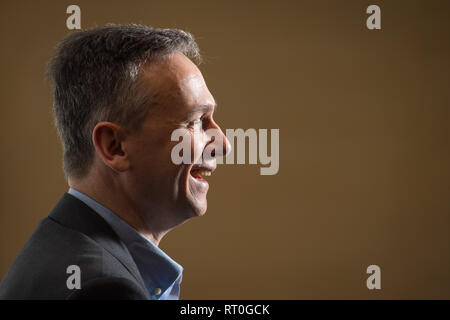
{"x": 73, "y": 234}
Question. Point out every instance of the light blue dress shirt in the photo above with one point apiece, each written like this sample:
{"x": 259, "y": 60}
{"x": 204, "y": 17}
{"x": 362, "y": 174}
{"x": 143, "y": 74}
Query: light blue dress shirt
{"x": 162, "y": 276}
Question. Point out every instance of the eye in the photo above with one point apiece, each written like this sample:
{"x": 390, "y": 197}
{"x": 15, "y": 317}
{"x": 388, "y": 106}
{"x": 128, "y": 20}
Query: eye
{"x": 196, "y": 124}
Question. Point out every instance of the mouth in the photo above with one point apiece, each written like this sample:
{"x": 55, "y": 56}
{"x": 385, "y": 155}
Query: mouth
{"x": 197, "y": 186}
{"x": 200, "y": 172}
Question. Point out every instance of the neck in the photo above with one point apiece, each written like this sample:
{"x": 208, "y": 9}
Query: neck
{"x": 149, "y": 222}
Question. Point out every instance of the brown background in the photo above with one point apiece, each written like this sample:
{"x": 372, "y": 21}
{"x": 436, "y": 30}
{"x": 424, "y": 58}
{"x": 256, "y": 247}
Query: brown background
{"x": 364, "y": 143}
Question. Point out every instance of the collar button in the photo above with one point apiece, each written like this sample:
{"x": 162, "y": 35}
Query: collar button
{"x": 157, "y": 291}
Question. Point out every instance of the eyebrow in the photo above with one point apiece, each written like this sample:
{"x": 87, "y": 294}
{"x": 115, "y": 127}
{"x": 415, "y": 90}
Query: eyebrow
{"x": 203, "y": 108}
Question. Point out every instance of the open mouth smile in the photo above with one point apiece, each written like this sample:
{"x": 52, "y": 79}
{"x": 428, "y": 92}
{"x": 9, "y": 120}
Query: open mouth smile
{"x": 199, "y": 172}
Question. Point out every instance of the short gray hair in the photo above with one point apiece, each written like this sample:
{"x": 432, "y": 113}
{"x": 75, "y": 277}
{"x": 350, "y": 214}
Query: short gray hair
{"x": 94, "y": 77}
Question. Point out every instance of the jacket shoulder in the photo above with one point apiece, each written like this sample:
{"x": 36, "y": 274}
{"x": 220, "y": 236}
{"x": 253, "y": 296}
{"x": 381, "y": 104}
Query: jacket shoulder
{"x": 43, "y": 267}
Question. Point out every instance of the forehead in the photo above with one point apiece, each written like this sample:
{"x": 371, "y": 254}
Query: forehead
{"x": 177, "y": 84}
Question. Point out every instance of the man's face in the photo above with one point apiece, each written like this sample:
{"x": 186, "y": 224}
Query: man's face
{"x": 184, "y": 102}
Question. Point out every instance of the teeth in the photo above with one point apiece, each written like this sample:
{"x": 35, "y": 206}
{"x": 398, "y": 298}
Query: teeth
{"x": 205, "y": 173}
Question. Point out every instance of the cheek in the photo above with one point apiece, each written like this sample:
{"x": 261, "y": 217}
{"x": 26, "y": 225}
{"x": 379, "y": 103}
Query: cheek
{"x": 197, "y": 146}
{"x": 155, "y": 146}
{"x": 151, "y": 157}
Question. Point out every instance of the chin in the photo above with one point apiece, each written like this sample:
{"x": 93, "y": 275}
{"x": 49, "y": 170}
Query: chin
{"x": 189, "y": 209}
{"x": 195, "y": 190}
{"x": 196, "y": 207}
{"x": 200, "y": 210}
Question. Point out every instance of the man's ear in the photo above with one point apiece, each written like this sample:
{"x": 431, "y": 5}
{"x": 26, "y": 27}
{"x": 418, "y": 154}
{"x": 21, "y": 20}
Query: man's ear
{"x": 108, "y": 138}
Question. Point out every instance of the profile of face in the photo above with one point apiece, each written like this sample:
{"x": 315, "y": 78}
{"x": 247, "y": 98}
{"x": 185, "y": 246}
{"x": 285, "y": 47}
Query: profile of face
{"x": 183, "y": 102}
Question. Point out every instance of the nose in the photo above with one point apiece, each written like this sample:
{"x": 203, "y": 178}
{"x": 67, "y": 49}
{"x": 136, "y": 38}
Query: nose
{"x": 221, "y": 146}
{"x": 225, "y": 146}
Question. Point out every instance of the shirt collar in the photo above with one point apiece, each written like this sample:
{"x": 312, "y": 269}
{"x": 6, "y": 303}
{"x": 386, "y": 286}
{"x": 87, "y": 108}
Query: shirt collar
{"x": 158, "y": 270}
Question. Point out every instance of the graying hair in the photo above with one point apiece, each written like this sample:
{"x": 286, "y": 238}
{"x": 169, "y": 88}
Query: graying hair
{"x": 94, "y": 74}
